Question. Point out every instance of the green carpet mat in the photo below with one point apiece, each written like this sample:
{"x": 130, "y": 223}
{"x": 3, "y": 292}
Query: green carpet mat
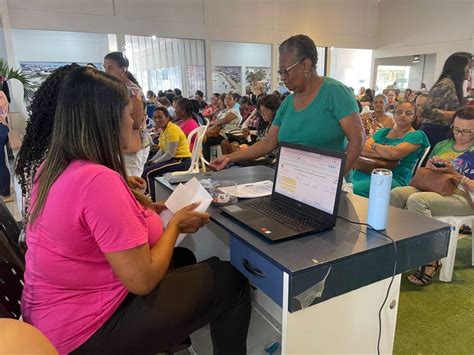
{"x": 439, "y": 318}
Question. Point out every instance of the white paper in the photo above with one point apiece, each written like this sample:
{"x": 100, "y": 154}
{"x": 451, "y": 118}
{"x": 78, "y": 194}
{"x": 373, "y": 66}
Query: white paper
{"x": 255, "y": 189}
{"x": 183, "y": 196}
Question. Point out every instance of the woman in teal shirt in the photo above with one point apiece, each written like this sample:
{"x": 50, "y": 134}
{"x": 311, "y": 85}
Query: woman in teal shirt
{"x": 402, "y": 142}
{"x": 321, "y": 112}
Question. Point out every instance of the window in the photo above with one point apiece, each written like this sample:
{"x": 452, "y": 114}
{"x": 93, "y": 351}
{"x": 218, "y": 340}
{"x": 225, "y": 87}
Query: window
{"x": 166, "y": 63}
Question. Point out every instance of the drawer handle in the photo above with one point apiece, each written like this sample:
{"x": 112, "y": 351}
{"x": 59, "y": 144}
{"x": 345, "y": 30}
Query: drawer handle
{"x": 251, "y": 269}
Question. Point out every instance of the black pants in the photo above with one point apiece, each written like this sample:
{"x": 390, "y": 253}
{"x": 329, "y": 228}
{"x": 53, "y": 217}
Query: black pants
{"x": 4, "y": 172}
{"x": 153, "y": 170}
{"x": 435, "y": 133}
{"x": 206, "y": 147}
{"x": 185, "y": 300}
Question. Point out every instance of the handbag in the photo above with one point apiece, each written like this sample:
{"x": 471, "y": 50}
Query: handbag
{"x": 213, "y": 131}
{"x": 366, "y": 165}
{"x": 236, "y": 135}
{"x": 433, "y": 181}
{"x": 14, "y": 139}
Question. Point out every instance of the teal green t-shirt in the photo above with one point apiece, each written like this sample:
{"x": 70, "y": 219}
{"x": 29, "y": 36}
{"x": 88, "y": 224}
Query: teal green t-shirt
{"x": 318, "y": 124}
{"x": 403, "y": 172}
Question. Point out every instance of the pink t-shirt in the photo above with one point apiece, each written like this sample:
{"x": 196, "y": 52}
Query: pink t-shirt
{"x": 187, "y": 127}
{"x": 70, "y": 288}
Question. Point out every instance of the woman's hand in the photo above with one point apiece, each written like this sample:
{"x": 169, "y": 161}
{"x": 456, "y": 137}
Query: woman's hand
{"x": 219, "y": 163}
{"x": 159, "y": 206}
{"x": 136, "y": 182}
{"x": 447, "y": 168}
{"x": 189, "y": 221}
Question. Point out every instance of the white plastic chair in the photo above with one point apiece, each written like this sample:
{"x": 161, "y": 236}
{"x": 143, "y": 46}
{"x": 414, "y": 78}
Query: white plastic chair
{"x": 198, "y": 133}
{"x": 446, "y": 273}
{"x": 422, "y": 159}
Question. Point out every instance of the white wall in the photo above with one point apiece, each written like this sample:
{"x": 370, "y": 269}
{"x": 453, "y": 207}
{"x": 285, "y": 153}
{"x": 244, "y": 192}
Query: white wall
{"x": 409, "y": 27}
{"x": 341, "y": 23}
{"x": 3, "y": 49}
{"x": 351, "y": 66}
{"x": 241, "y": 54}
{"x": 59, "y": 46}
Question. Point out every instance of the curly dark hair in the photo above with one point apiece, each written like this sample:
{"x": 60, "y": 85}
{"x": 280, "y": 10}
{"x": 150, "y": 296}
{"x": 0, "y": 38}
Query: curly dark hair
{"x": 39, "y": 127}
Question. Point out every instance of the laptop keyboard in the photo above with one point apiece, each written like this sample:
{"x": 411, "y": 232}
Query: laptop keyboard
{"x": 288, "y": 217}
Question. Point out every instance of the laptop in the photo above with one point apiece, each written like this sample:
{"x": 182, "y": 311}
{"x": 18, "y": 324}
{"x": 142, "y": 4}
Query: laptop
{"x": 305, "y": 195}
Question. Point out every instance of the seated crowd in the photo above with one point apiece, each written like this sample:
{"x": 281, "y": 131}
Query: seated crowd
{"x": 131, "y": 294}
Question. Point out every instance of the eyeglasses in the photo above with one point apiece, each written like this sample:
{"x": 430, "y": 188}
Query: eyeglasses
{"x": 462, "y": 132}
{"x": 286, "y": 72}
{"x": 407, "y": 113}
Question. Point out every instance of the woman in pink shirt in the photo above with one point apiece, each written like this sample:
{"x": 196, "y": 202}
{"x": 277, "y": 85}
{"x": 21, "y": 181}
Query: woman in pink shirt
{"x": 184, "y": 114}
{"x": 97, "y": 276}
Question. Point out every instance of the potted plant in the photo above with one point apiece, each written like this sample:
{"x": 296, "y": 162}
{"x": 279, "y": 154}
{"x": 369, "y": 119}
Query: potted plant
{"x": 9, "y": 73}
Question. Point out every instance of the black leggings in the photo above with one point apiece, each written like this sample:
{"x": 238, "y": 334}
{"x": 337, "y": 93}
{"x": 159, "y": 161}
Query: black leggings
{"x": 158, "y": 169}
{"x": 206, "y": 147}
{"x": 185, "y": 300}
{"x": 4, "y": 172}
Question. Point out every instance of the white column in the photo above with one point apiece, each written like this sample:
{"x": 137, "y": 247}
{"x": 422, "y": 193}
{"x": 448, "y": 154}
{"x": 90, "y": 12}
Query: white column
{"x": 112, "y": 38}
{"x": 275, "y": 76}
{"x": 208, "y": 63}
{"x": 120, "y": 42}
{"x": 7, "y": 36}
{"x": 17, "y": 105}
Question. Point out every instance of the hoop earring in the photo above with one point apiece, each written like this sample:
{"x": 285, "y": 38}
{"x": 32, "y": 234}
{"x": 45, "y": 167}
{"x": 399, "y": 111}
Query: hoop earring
{"x": 306, "y": 74}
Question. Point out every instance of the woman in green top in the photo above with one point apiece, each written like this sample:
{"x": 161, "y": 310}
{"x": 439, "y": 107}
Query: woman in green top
{"x": 402, "y": 142}
{"x": 321, "y": 112}
{"x": 457, "y": 156}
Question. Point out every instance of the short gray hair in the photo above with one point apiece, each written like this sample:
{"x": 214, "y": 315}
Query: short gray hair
{"x": 412, "y": 104}
{"x": 302, "y": 47}
{"x": 385, "y": 98}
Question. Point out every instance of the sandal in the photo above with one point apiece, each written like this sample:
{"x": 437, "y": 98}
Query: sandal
{"x": 8, "y": 198}
{"x": 422, "y": 276}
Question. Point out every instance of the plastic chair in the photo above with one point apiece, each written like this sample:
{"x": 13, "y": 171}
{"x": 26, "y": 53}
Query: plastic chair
{"x": 422, "y": 159}
{"x": 8, "y": 225}
{"x": 446, "y": 272}
{"x": 197, "y": 157}
{"x": 12, "y": 268}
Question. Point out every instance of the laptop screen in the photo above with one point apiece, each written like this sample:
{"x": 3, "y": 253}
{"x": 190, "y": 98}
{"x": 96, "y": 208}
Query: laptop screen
{"x": 308, "y": 177}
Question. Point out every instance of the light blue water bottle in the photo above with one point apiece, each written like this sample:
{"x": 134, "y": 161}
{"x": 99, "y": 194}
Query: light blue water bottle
{"x": 379, "y": 198}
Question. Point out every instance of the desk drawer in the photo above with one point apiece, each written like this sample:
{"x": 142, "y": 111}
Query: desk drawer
{"x": 260, "y": 272}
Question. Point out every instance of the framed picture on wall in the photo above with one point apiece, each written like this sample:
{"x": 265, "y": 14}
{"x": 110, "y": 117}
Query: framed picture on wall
{"x": 225, "y": 79}
{"x": 39, "y": 71}
{"x": 263, "y": 76}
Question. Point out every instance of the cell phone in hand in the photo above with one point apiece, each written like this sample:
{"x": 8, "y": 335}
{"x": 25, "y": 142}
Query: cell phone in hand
{"x": 439, "y": 164}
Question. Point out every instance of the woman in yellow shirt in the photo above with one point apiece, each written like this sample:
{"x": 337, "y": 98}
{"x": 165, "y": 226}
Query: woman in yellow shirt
{"x": 174, "y": 153}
